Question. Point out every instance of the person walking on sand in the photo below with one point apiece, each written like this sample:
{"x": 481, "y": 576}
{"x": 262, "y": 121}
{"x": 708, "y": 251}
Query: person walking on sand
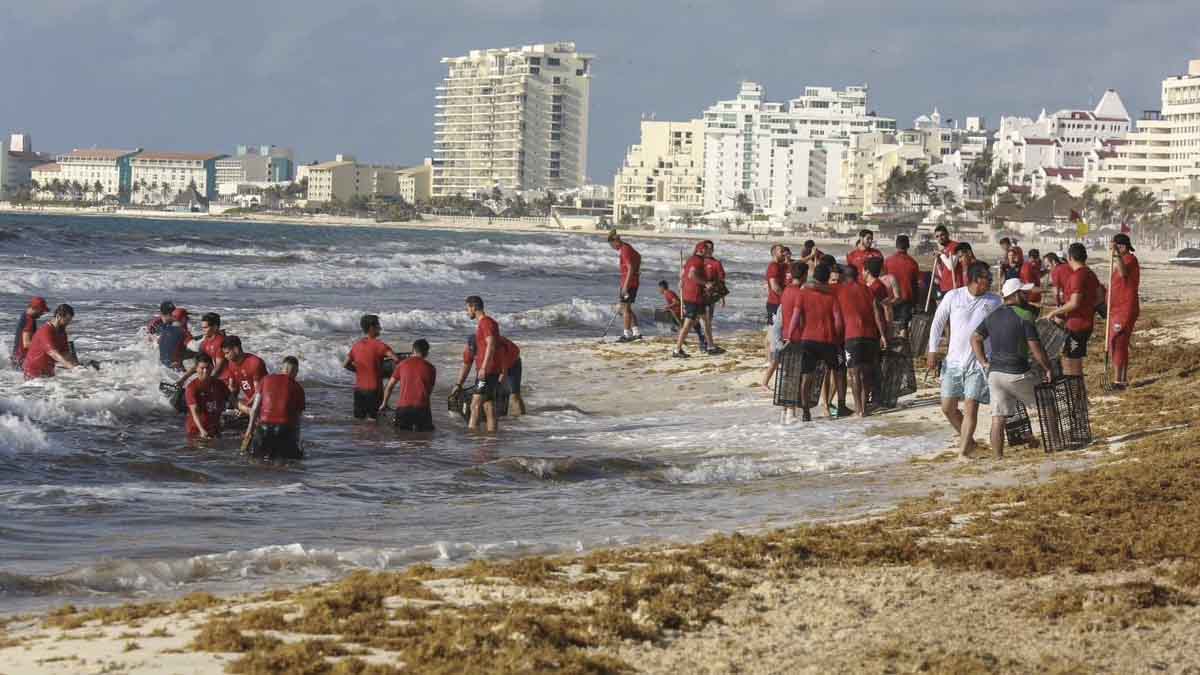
{"x": 674, "y": 309}
{"x": 1002, "y": 344}
{"x": 811, "y": 318}
{"x": 906, "y": 274}
{"x": 1031, "y": 273}
{"x": 948, "y": 267}
{"x": 865, "y": 335}
{"x": 714, "y": 291}
{"x": 963, "y": 381}
{"x": 1126, "y": 279}
{"x": 691, "y": 284}
{"x": 776, "y": 281}
{"x": 1078, "y": 314}
{"x": 631, "y": 270}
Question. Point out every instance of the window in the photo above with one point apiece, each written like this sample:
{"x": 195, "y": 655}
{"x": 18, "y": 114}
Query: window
{"x": 535, "y": 60}
{"x": 552, "y": 62}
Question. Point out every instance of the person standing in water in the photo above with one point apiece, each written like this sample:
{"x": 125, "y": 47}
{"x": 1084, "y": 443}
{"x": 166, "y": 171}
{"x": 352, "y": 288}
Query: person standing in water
{"x": 205, "y": 397}
{"x": 26, "y": 328}
{"x": 488, "y": 365}
{"x": 50, "y": 346}
{"x": 281, "y": 401}
{"x": 365, "y": 360}
{"x": 416, "y": 377}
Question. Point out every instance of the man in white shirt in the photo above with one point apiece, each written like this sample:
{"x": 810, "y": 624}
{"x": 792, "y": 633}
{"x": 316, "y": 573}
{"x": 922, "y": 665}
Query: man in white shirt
{"x": 963, "y": 379}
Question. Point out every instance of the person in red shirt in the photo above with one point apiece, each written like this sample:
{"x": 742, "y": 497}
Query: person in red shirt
{"x": 416, "y": 377}
{"x": 205, "y": 397}
{"x": 365, "y": 360}
{"x": 280, "y": 402}
{"x": 810, "y": 255}
{"x": 165, "y": 309}
{"x": 865, "y": 334}
{"x": 674, "y": 309}
{"x": 26, "y": 327}
{"x": 1126, "y": 278}
{"x": 1031, "y": 273}
{"x": 489, "y": 363}
{"x": 787, "y": 266}
{"x": 776, "y": 281}
{"x": 1082, "y": 291}
{"x": 863, "y": 251}
{"x": 882, "y": 292}
{"x": 691, "y": 283}
{"x": 244, "y": 372}
{"x": 714, "y": 291}
{"x": 948, "y": 259}
{"x": 631, "y": 270}
{"x": 1059, "y": 271}
{"x": 50, "y": 346}
{"x": 212, "y": 344}
{"x": 905, "y": 273}
{"x": 813, "y": 320}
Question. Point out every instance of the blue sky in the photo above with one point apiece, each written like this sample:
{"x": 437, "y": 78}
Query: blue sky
{"x": 358, "y": 75}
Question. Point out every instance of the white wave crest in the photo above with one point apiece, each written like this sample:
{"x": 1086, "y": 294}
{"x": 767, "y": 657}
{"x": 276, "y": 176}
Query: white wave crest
{"x": 18, "y": 434}
{"x": 189, "y": 249}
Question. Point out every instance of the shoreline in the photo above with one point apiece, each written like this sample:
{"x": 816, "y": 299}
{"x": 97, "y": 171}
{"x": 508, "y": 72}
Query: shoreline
{"x": 1063, "y": 563}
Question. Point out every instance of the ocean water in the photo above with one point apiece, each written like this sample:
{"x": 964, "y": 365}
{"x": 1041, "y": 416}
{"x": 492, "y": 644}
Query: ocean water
{"x": 103, "y": 498}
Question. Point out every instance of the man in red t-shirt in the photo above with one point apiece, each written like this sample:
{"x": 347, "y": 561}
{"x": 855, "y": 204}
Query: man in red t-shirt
{"x": 205, "y": 397}
{"x": 50, "y": 346}
{"x": 714, "y": 291}
{"x": 906, "y": 274}
{"x": 26, "y": 327}
{"x": 244, "y": 372}
{"x": 1031, "y": 273}
{"x": 691, "y": 284}
{"x": 949, "y": 261}
{"x": 865, "y": 335}
{"x": 1126, "y": 279}
{"x": 863, "y": 251}
{"x": 280, "y": 402}
{"x": 212, "y": 344}
{"x": 416, "y": 377}
{"x": 631, "y": 271}
{"x": 1078, "y": 313}
{"x": 776, "y": 281}
{"x": 879, "y": 290}
{"x": 1059, "y": 271}
{"x": 811, "y": 318}
{"x": 489, "y": 363}
{"x": 365, "y": 360}
{"x": 674, "y": 309}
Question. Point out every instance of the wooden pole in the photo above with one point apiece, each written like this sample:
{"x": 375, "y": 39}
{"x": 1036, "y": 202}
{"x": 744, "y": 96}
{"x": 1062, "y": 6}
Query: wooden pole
{"x": 1112, "y": 263}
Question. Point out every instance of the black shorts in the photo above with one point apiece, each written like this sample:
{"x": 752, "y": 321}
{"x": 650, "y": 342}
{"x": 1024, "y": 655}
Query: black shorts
{"x": 413, "y": 419}
{"x": 276, "y": 441}
{"x": 630, "y": 296}
{"x": 693, "y": 310}
{"x": 812, "y": 353}
{"x": 771, "y": 309}
{"x": 512, "y": 378}
{"x": 489, "y": 387}
{"x": 902, "y": 312}
{"x": 1076, "y": 347}
{"x": 862, "y": 352}
{"x": 366, "y": 403}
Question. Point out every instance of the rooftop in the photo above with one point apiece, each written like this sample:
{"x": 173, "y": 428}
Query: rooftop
{"x": 98, "y": 153}
{"x": 52, "y": 166}
{"x": 178, "y": 156}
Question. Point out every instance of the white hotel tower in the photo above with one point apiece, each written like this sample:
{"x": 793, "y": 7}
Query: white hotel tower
{"x": 786, "y": 157}
{"x": 512, "y": 118}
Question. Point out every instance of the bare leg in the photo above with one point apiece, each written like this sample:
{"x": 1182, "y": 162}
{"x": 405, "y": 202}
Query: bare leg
{"x": 953, "y": 416}
{"x": 805, "y": 383}
{"x": 966, "y": 434}
{"x": 476, "y": 403}
{"x": 708, "y": 317}
{"x": 997, "y": 435}
{"x": 516, "y": 405}
{"x": 1072, "y": 366}
{"x": 766, "y": 381}
{"x": 489, "y": 411}
{"x": 839, "y": 379}
{"x": 630, "y": 319}
{"x": 856, "y": 388}
{"x": 687, "y": 326}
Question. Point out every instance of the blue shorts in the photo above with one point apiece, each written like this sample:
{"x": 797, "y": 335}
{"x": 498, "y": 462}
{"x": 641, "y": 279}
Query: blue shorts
{"x": 513, "y": 378}
{"x": 965, "y": 383}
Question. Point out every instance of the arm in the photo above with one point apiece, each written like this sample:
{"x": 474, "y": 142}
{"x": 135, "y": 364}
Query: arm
{"x": 194, "y": 411}
{"x": 795, "y": 325}
{"x": 1119, "y": 264}
{"x": 26, "y": 339}
{"x": 1072, "y": 304}
{"x": 462, "y": 374}
{"x": 940, "y": 318}
{"x": 977, "y": 347}
{"x": 488, "y": 353}
{"x": 1039, "y": 355}
{"x": 190, "y": 371}
{"x": 880, "y": 323}
{"x": 387, "y": 393}
{"x": 65, "y": 360}
{"x": 348, "y": 363}
{"x": 773, "y": 286}
{"x": 839, "y": 325}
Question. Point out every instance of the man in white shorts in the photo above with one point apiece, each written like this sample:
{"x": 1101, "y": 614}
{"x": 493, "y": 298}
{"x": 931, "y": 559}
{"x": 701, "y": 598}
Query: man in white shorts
{"x": 963, "y": 309}
{"x": 1013, "y": 338}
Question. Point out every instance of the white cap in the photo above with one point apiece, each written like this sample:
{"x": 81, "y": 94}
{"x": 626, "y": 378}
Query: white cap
{"x": 1013, "y": 285}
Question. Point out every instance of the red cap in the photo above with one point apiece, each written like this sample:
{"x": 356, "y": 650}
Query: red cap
{"x": 180, "y": 314}
{"x": 39, "y": 303}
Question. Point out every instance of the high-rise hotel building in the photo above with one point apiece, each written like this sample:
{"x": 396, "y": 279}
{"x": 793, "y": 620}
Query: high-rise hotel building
{"x": 512, "y": 118}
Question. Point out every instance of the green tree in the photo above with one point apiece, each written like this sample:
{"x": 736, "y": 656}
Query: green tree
{"x": 742, "y": 203}
{"x": 97, "y": 189}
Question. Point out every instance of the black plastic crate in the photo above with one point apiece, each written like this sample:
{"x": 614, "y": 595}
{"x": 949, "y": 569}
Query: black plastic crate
{"x": 899, "y": 378}
{"x": 787, "y": 377}
{"x": 1053, "y": 337}
{"x": 460, "y": 402}
{"x": 1019, "y": 428}
{"x": 1063, "y": 414}
{"x": 918, "y": 333}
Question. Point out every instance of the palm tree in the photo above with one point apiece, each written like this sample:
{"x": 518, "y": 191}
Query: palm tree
{"x": 1089, "y": 199}
{"x": 55, "y": 188}
{"x": 77, "y": 189}
{"x": 1106, "y": 209}
{"x": 166, "y": 191}
{"x": 742, "y": 203}
{"x": 98, "y": 189}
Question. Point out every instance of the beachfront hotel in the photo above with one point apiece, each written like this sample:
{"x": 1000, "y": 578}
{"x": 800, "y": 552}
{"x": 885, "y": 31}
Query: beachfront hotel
{"x": 1060, "y": 140}
{"x": 516, "y": 119}
{"x": 785, "y": 157}
{"x": 1163, "y": 154}
{"x": 344, "y": 178}
{"x": 111, "y": 168}
{"x": 256, "y": 164}
{"x": 161, "y": 176}
{"x": 663, "y": 175}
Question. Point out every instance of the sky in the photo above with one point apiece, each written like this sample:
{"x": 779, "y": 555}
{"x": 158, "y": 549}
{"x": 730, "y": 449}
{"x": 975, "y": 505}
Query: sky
{"x": 358, "y": 76}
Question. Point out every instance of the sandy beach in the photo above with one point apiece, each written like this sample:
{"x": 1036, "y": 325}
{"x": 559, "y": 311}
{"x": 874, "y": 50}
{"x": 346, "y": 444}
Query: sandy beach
{"x": 1081, "y": 561}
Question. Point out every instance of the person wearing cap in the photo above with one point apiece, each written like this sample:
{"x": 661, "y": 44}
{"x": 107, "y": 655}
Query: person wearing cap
{"x": 50, "y": 346}
{"x": 1126, "y": 278}
{"x": 631, "y": 270}
{"x": 173, "y": 339}
{"x": 164, "y": 317}
{"x": 26, "y": 327}
{"x": 1002, "y": 344}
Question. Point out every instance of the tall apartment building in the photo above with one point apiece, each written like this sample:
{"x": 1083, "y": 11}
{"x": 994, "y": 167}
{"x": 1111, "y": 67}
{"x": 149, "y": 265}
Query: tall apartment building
{"x": 662, "y": 175}
{"x": 514, "y": 118}
{"x": 786, "y": 157}
{"x": 256, "y": 164}
{"x": 1063, "y": 139}
{"x": 174, "y": 172}
{"x": 1163, "y": 154}
{"x": 18, "y": 162}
